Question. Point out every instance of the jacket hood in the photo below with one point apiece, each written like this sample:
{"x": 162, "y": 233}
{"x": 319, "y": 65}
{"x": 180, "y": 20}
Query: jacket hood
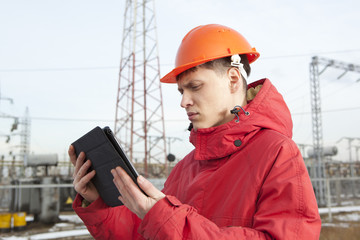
{"x": 267, "y": 109}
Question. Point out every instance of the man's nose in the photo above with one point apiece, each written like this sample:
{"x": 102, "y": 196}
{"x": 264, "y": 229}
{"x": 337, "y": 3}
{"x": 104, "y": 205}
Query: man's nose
{"x": 186, "y": 100}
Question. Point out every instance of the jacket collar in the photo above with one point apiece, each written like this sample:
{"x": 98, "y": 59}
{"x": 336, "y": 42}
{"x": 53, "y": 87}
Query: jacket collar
{"x": 267, "y": 111}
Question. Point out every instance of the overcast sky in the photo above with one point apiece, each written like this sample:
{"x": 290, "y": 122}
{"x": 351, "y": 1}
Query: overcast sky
{"x": 61, "y": 60}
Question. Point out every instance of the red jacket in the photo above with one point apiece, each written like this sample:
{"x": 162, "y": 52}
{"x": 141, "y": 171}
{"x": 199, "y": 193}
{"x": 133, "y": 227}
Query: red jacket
{"x": 243, "y": 180}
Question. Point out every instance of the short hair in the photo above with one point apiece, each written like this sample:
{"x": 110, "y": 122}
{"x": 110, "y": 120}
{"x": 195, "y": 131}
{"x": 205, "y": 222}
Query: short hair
{"x": 220, "y": 66}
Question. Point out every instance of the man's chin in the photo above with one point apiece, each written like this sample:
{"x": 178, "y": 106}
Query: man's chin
{"x": 194, "y": 125}
{"x": 197, "y": 126}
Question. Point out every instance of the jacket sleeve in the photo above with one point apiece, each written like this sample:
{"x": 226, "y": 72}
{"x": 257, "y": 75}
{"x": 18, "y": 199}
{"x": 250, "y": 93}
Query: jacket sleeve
{"x": 170, "y": 219}
{"x": 286, "y": 209}
{"x": 104, "y": 222}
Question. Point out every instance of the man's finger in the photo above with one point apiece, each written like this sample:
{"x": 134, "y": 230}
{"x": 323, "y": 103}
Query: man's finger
{"x": 83, "y": 169}
{"x": 116, "y": 180}
{"x": 86, "y": 179}
{"x": 79, "y": 162}
{"x": 149, "y": 188}
{"x": 120, "y": 185}
{"x": 72, "y": 155}
{"x": 127, "y": 187}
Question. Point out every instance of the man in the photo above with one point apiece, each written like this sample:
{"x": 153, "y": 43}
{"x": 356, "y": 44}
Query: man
{"x": 245, "y": 179}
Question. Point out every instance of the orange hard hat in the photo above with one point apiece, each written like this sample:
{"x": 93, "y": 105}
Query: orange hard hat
{"x": 209, "y": 42}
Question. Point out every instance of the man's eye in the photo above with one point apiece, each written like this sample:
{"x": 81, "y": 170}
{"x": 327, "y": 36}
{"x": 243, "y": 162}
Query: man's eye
{"x": 196, "y": 87}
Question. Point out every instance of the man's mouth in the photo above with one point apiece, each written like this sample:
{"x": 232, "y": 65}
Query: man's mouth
{"x": 192, "y": 115}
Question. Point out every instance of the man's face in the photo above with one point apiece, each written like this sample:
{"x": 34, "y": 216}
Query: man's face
{"x": 206, "y": 97}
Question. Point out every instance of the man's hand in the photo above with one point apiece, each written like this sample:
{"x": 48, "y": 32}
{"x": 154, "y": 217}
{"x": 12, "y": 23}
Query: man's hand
{"x": 131, "y": 195}
{"x": 82, "y": 183}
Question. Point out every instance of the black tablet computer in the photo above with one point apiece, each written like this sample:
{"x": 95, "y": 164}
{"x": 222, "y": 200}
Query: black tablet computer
{"x": 105, "y": 153}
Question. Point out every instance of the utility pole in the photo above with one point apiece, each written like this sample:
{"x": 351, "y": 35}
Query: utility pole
{"x": 139, "y": 108}
{"x": 357, "y": 153}
{"x": 351, "y": 162}
{"x": 317, "y": 131}
{"x": 25, "y": 136}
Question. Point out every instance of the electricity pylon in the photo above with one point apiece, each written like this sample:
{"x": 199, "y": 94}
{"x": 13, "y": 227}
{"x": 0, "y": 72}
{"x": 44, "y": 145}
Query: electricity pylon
{"x": 139, "y": 120}
{"x": 317, "y": 132}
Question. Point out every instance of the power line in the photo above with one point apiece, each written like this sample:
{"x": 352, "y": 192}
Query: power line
{"x": 83, "y": 119}
{"x": 169, "y": 120}
{"x": 166, "y": 64}
{"x": 312, "y": 54}
{"x": 59, "y": 69}
{"x": 71, "y": 119}
{"x": 65, "y": 119}
{"x": 328, "y": 111}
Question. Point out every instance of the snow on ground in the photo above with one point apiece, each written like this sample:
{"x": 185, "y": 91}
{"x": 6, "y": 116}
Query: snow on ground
{"x": 353, "y": 215}
{"x": 70, "y": 218}
{"x": 15, "y": 238}
{"x": 338, "y": 225}
{"x": 67, "y": 218}
{"x": 67, "y": 225}
{"x": 350, "y": 217}
{"x": 53, "y": 235}
{"x": 350, "y": 214}
{"x": 340, "y": 209}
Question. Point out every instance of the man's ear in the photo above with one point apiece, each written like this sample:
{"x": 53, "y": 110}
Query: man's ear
{"x": 235, "y": 79}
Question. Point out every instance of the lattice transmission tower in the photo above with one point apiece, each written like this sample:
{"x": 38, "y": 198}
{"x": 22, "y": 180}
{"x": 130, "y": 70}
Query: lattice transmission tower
{"x": 318, "y": 172}
{"x": 139, "y": 121}
{"x": 25, "y": 135}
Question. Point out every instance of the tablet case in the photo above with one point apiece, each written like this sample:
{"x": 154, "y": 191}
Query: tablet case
{"x": 104, "y": 152}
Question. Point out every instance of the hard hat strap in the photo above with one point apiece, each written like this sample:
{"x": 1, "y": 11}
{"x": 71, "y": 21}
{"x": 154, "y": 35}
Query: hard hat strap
{"x": 236, "y": 62}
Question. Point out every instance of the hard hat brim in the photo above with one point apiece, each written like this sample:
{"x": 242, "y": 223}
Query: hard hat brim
{"x": 171, "y": 76}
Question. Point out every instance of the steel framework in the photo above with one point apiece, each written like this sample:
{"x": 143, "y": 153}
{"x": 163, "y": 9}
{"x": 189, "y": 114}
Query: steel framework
{"x": 319, "y": 171}
{"x": 25, "y": 136}
{"x": 139, "y": 121}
